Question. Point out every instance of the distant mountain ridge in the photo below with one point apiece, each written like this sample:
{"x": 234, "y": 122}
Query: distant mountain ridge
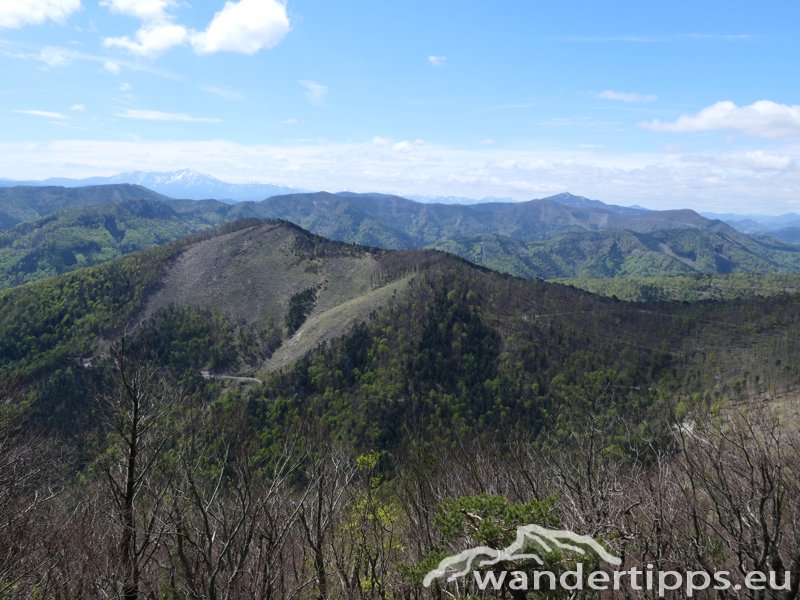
{"x": 51, "y": 230}
{"x": 784, "y": 227}
{"x": 395, "y": 222}
{"x": 610, "y": 254}
{"x": 185, "y": 183}
{"x": 28, "y": 203}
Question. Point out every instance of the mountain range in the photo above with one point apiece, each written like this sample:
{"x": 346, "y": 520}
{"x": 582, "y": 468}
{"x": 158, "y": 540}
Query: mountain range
{"x": 46, "y": 230}
{"x": 190, "y": 184}
{"x": 185, "y": 183}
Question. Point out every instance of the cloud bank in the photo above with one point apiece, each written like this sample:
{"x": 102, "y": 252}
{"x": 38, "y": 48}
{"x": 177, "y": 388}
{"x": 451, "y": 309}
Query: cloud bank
{"x": 750, "y": 181}
{"x": 762, "y": 119}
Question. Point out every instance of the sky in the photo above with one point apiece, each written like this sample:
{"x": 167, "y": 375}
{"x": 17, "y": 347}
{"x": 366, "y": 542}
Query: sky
{"x": 663, "y": 105}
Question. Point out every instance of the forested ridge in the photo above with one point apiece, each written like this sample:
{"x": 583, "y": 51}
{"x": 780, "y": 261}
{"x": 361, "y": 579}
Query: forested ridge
{"x": 50, "y": 230}
{"x": 465, "y": 404}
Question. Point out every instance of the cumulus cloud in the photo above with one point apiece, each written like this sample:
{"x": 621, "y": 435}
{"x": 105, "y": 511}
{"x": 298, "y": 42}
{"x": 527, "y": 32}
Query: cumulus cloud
{"x": 158, "y": 32}
{"x": 17, "y": 13}
{"x": 437, "y": 61}
{"x": 151, "y": 39}
{"x": 315, "y": 92}
{"x": 625, "y": 96}
{"x": 764, "y": 119}
{"x": 157, "y": 115}
{"x": 144, "y": 10}
{"x": 246, "y": 26}
{"x": 42, "y": 113}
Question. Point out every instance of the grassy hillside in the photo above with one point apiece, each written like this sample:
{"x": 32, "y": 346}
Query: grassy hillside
{"x": 243, "y": 278}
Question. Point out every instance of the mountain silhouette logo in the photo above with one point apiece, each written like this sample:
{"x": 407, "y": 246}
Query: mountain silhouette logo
{"x": 528, "y": 536}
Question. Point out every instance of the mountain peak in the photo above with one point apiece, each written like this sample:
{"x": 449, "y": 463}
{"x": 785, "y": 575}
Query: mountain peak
{"x": 568, "y": 199}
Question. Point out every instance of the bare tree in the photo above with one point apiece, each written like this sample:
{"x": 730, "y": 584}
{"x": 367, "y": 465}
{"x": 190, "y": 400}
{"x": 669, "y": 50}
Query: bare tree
{"x": 330, "y": 471}
{"x": 231, "y": 513}
{"x": 739, "y": 477}
{"x": 28, "y": 484}
{"x": 136, "y": 412}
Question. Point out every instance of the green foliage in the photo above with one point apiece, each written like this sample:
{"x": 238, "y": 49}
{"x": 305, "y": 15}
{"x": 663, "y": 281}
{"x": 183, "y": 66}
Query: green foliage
{"x": 29, "y": 203}
{"x": 76, "y": 238}
{"x": 49, "y": 330}
{"x": 490, "y": 520}
{"x": 615, "y": 254}
{"x": 300, "y": 305}
{"x": 458, "y": 354}
{"x": 187, "y": 340}
{"x": 691, "y": 288}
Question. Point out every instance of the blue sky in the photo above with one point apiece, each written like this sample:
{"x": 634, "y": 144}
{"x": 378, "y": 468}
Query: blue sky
{"x": 659, "y": 104}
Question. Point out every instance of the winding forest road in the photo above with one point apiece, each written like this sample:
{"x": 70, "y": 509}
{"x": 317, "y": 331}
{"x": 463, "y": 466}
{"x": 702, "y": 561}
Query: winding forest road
{"x": 210, "y": 375}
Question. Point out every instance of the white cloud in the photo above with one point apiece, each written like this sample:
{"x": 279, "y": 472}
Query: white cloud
{"x": 125, "y": 87}
{"x": 151, "y": 39}
{"x": 764, "y": 119}
{"x": 714, "y": 182}
{"x": 401, "y": 147}
{"x": 157, "y": 115}
{"x": 437, "y": 61}
{"x": 158, "y": 32}
{"x": 222, "y": 92}
{"x": 60, "y": 55}
{"x": 144, "y": 10}
{"x": 754, "y": 160}
{"x": 78, "y": 107}
{"x": 42, "y": 113}
{"x": 53, "y": 56}
{"x": 625, "y": 96}
{"x": 246, "y": 26}
{"x": 16, "y": 13}
{"x": 315, "y": 92}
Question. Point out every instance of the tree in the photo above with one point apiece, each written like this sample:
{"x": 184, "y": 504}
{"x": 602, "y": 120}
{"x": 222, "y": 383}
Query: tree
{"x": 28, "y": 485}
{"x": 231, "y": 512}
{"x": 137, "y": 413}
